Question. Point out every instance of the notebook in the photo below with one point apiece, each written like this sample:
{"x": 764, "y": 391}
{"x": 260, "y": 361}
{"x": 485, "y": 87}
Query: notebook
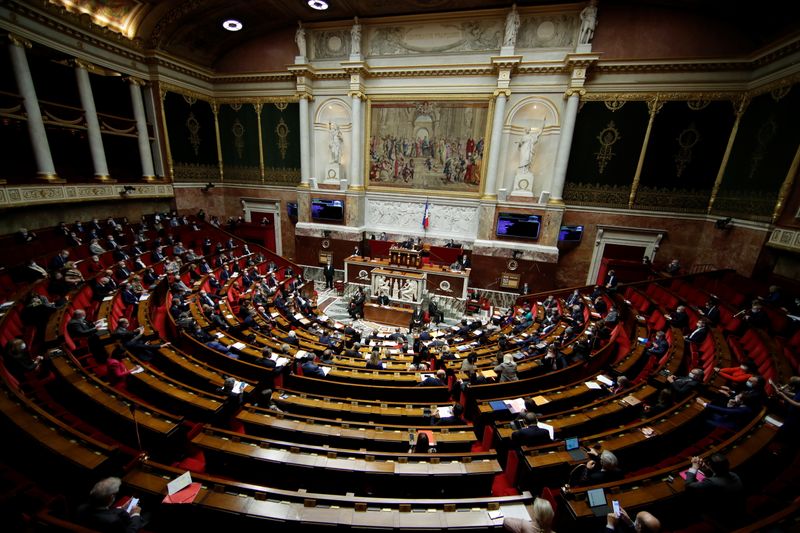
{"x": 572, "y": 445}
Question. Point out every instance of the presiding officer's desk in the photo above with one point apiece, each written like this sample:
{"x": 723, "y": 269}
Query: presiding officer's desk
{"x": 439, "y": 280}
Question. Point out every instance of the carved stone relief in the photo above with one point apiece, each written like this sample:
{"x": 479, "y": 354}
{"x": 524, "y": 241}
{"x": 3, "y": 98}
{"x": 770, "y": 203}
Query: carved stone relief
{"x": 330, "y": 44}
{"x": 548, "y": 31}
{"x": 435, "y": 38}
{"x": 450, "y": 220}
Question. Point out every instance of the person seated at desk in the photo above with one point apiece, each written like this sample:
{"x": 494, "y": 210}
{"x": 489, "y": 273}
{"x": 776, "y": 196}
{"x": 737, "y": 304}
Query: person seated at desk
{"x": 507, "y": 370}
{"x": 643, "y": 523}
{"x": 383, "y": 299}
{"x": 710, "y": 311}
{"x": 658, "y": 347}
{"x": 19, "y": 361}
{"x": 737, "y": 412}
{"x": 698, "y": 334}
{"x": 542, "y": 516}
{"x": 597, "y": 471}
{"x": 439, "y": 380}
{"x": 311, "y": 368}
{"x": 436, "y": 315}
{"x": 531, "y": 434}
{"x": 417, "y": 319}
{"x": 374, "y": 362}
{"x": 600, "y": 305}
{"x": 720, "y": 496}
{"x": 456, "y": 419}
{"x": 679, "y": 318}
{"x": 738, "y": 374}
{"x": 756, "y": 317}
{"x": 682, "y": 387}
{"x": 111, "y": 367}
{"x": 422, "y": 445}
{"x": 98, "y": 514}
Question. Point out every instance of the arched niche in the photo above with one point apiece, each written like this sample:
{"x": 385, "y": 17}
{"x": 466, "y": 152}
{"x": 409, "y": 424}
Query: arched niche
{"x": 328, "y": 112}
{"x": 542, "y": 115}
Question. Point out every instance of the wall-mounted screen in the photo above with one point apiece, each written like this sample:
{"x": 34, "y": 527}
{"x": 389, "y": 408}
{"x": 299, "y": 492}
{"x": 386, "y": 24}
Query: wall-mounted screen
{"x": 332, "y": 210}
{"x": 291, "y": 209}
{"x": 518, "y": 226}
{"x": 570, "y": 233}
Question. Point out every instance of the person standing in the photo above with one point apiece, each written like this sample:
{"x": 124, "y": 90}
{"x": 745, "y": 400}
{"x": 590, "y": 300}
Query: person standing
{"x": 329, "y": 272}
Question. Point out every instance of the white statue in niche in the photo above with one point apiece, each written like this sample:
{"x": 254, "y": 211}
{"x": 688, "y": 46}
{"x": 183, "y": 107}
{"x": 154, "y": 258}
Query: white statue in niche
{"x": 384, "y": 285}
{"x": 335, "y": 143}
{"x": 512, "y": 27}
{"x": 527, "y": 149}
{"x": 355, "y": 38}
{"x": 300, "y": 39}
{"x": 588, "y": 23}
{"x": 409, "y": 291}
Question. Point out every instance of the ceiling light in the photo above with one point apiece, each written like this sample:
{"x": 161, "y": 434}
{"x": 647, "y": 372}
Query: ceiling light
{"x": 319, "y": 5}
{"x": 232, "y": 25}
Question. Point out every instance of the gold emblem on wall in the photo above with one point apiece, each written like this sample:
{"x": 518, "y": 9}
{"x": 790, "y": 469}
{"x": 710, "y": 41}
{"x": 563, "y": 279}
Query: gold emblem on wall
{"x": 282, "y": 130}
{"x": 607, "y": 138}
{"x": 686, "y": 140}
{"x": 193, "y": 126}
{"x": 614, "y": 105}
{"x": 765, "y": 135}
{"x": 238, "y": 137}
{"x": 281, "y": 106}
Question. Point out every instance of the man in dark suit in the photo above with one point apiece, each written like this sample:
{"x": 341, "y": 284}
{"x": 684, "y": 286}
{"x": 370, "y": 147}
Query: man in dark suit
{"x": 78, "y": 326}
{"x": 437, "y": 316}
{"x": 611, "y": 281}
{"x": 329, "y": 272}
{"x": 711, "y": 311}
{"x": 699, "y": 334}
{"x": 682, "y": 387}
{"x": 456, "y": 419}
{"x": 58, "y": 262}
{"x": 721, "y": 494}
{"x": 99, "y": 515}
{"x": 532, "y": 434}
{"x": 312, "y": 369}
{"x": 383, "y": 299}
{"x": 416, "y": 319}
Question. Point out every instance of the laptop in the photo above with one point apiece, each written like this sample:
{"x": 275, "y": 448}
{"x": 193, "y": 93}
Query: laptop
{"x": 597, "y": 502}
{"x": 572, "y": 446}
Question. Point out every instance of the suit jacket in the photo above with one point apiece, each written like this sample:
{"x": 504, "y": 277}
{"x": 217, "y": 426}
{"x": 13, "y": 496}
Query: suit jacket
{"x": 80, "y": 328}
{"x": 109, "y": 520}
{"x": 329, "y": 271}
{"x": 531, "y": 436}
{"x": 698, "y": 335}
{"x": 383, "y": 300}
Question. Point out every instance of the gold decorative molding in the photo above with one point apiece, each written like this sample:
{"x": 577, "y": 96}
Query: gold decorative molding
{"x": 569, "y": 92}
{"x": 54, "y": 192}
{"x": 784, "y": 238}
{"x": 357, "y": 94}
{"x": 19, "y": 41}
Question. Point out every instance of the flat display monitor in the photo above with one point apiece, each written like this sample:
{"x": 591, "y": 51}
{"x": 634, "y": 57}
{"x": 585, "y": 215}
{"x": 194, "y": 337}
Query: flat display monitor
{"x": 291, "y": 209}
{"x": 330, "y": 210}
{"x": 518, "y": 225}
{"x": 570, "y": 234}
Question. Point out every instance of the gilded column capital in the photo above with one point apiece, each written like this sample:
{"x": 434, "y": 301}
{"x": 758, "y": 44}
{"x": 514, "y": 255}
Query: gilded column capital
{"x": 504, "y": 92}
{"x": 304, "y": 95}
{"x": 135, "y": 81}
{"x": 22, "y": 42}
{"x": 357, "y": 94}
{"x": 572, "y": 91}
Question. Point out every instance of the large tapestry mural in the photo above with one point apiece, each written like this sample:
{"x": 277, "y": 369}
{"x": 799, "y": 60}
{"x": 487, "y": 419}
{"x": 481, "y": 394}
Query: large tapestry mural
{"x": 427, "y": 145}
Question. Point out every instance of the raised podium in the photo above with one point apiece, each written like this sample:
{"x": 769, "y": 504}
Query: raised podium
{"x": 405, "y": 257}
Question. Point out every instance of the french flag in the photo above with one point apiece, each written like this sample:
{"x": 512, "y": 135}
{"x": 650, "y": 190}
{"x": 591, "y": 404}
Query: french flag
{"x": 426, "y": 221}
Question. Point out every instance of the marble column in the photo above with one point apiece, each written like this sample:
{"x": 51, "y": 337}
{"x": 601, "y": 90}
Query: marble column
{"x": 41, "y": 149}
{"x": 305, "y": 141}
{"x": 356, "y": 172}
{"x": 564, "y": 147}
{"x": 490, "y": 187}
{"x": 92, "y": 123}
{"x": 142, "y": 134}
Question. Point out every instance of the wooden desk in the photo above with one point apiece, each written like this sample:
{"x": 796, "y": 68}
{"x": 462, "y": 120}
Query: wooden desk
{"x": 390, "y": 315}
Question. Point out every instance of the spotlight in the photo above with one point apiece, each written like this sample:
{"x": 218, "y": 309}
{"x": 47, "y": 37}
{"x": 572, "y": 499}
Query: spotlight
{"x": 724, "y": 223}
{"x": 208, "y": 187}
{"x": 232, "y": 25}
{"x": 319, "y": 5}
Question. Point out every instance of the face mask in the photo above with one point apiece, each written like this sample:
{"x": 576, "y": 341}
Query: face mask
{"x": 23, "y": 346}
{"x": 749, "y": 385}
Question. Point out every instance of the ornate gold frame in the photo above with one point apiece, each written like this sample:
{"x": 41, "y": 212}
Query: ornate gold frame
{"x": 435, "y": 98}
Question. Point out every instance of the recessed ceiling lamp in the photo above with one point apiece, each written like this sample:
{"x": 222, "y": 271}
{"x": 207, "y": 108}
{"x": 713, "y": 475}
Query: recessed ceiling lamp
{"x": 232, "y": 25}
{"x": 319, "y": 5}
